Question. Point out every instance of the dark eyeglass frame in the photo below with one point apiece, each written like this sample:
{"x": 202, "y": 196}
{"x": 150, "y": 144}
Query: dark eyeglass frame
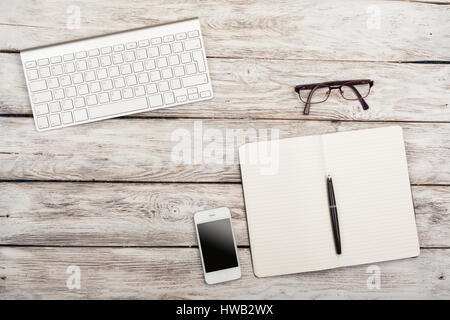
{"x": 334, "y": 85}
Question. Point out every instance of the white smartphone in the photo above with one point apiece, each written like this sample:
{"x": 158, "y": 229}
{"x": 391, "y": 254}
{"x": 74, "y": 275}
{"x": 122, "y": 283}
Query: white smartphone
{"x": 217, "y": 246}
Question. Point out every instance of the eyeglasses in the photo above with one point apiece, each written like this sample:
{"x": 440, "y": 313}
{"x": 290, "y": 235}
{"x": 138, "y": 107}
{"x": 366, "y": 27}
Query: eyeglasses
{"x": 349, "y": 89}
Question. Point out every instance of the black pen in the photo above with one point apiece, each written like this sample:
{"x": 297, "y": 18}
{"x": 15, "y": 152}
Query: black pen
{"x": 334, "y": 215}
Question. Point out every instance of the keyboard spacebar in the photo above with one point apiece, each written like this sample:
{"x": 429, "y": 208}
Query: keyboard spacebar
{"x": 117, "y": 108}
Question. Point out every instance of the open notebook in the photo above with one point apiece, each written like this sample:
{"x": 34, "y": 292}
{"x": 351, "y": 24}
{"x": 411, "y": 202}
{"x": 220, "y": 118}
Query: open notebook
{"x": 287, "y": 203}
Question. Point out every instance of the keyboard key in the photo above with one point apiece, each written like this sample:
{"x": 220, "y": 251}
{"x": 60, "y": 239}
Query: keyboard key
{"x": 167, "y": 73}
{"x": 138, "y": 66}
{"x": 56, "y": 69}
{"x": 67, "y": 105}
{"x": 79, "y": 102}
{"x": 118, "y": 108}
{"x": 127, "y": 93}
{"x": 32, "y": 75}
{"x": 156, "y": 41}
{"x": 52, "y": 83}
{"x": 143, "y": 78}
{"x": 81, "y": 55}
{"x": 155, "y": 101}
{"x": 131, "y": 80}
{"x": 54, "y": 107}
{"x": 115, "y": 95}
{"x": 193, "y": 34}
{"x": 102, "y": 74}
{"x": 150, "y": 64}
{"x": 103, "y": 97}
{"x": 119, "y": 83}
{"x": 178, "y": 71}
{"x": 106, "y": 50}
{"x": 107, "y": 84}
{"x": 181, "y": 98}
{"x": 71, "y": 92}
{"x": 94, "y": 52}
{"x": 175, "y": 84}
{"x": 165, "y": 49}
{"x": 177, "y": 47}
{"x": 69, "y": 67}
{"x": 56, "y": 59}
{"x": 67, "y": 117}
{"x": 141, "y": 54}
{"x": 192, "y": 90}
{"x": 83, "y": 89}
{"x": 43, "y": 62}
{"x": 65, "y": 81}
{"x": 93, "y": 63}
{"x": 162, "y": 62}
{"x": 185, "y": 57}
{"x": 68, "y": 57}
{"x": 143, "y": 43}
{"x": 129, "y": 56}
{"x": 30, "y": 64}
{"x": 42, "y": 97}
{"x": 105, "y": 61}
{"x": 117, "y": 58}
{"x": 151, "y": 88}
{"x": 180, "y": 36}
{"x": 155, "y": 75}
{"x": 131, "y": 45}
{"x": 153, "y": 52}
{"x": 89, "y": 75}
{"x": 192, "y": 44}
{"x": 139, "y": 91}
{"x": 173, "y": 60}
{"x": 163, "y": 86}
{"x": 42, "y": 122}
{"x": 195, "y": 80}
{"x": 114, "y": 71}
{"x": 169, "y": 98}
{"x": 44, "y": 72}
{"x": 118, "y": 47}
{"x": 94, "y": 87}
{"x": 191, "y": 69}
{"x": 41, "y": 109}
{"x": 197, "y": 56}
{"x": 55, "y": 120}
{"x": 125, "y": 69}
{"x": 193, "y": 96}
{"x": 80, "y": 115}
{"x": 205, "y": 94}
{"x": 77, "y": 78}
{"x": 168, "y": 38}
{"x": 38, "y": 85}
{"x": 91, "y": 100}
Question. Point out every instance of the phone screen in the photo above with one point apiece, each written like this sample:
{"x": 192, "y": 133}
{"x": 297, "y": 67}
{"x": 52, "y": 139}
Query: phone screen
{"x": 217, "y": 245}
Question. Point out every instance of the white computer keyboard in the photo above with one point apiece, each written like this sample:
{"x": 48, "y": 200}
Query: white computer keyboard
{"x": 118, "y": 74}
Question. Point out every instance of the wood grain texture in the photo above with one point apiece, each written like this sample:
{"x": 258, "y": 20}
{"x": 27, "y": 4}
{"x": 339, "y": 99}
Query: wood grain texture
{"x": 145, "y": 149}
{"x": 174, "y": 273}
{"x": 254, "y": 88}
{"x": 116, "y": 214}
{"x": 307, "y": 29}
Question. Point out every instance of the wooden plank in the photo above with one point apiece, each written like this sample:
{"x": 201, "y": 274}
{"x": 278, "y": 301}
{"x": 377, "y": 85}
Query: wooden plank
{"x": 150, "y": 149}
{"x": 352, "y": 30}
{"x": 117, "y": 214}
{"x": 175, "y": 273}
{"x": 249, "y": 88}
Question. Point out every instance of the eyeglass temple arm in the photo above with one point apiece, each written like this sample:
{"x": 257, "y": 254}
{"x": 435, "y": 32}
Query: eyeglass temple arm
{"x": 308, "y": 101}
{"x": 363, "y": 102}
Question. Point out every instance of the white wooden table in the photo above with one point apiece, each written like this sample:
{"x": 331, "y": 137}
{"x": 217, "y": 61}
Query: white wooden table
{"x": 107, "y": 198}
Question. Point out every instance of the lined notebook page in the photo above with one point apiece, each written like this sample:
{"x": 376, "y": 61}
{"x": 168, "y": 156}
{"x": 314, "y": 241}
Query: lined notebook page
{"x": 373, "y": 195}
{"x": 287, "y": 209}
